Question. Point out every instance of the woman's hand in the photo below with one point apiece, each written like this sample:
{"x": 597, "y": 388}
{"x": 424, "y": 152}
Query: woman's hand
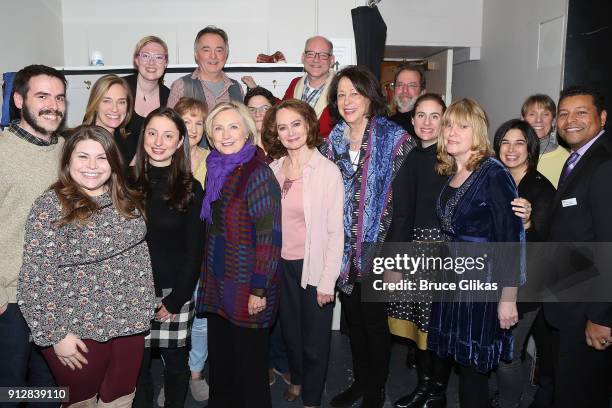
{"x": 323, "y": 299}
{"x": 163, "y": 314}
{"x": 256, "y": 304}
{"x": 522, "y": 209}
{"x": 507, "y": 314}
{"x": 597, "y": 336}
{"x": 67, "y": 351}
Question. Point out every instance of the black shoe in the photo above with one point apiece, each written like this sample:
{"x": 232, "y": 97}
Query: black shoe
{"x": 374, "y": 399}
{"x": 435, "y": 401}
{"x": 414, "y": 399}
{"x": 347, "y": 397}
{"x": 436, "y": 396}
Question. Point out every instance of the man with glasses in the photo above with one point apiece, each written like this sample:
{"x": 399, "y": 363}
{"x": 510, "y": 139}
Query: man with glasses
{"x": 408, "y": 85}
{"x": 318, "y": 58}
{"x": 208, "y": 83}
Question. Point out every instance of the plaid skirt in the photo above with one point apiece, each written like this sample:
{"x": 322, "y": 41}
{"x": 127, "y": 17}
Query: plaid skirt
{"x": 172, "y": 333}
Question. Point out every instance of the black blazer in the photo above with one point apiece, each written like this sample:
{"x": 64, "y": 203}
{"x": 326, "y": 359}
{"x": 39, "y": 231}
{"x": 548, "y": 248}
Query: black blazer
{"x": 129, "y": 144}
{"x": 581, "y": 213}
{"x": 164, "y": 91}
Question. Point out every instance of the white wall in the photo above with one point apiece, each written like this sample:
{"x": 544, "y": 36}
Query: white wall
{"x": 114, "y": 26}
{"x": 263, "y": 26}
{"x": 453, "y": 23}
{"x": 522, "y": 53}
{"x": 31, "y": 33}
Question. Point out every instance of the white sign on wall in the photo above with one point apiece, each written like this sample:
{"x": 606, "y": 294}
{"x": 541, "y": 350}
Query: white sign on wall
{"x": 344, "y": 51}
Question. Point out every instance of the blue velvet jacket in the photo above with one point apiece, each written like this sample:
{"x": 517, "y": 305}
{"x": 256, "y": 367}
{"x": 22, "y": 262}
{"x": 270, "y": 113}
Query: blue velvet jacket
{"x": 479, "y": 211}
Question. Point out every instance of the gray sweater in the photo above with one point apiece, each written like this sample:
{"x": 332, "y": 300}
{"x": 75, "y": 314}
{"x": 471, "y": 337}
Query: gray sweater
{"x": 93, "y": 281}
{"x": 26, "y": 171}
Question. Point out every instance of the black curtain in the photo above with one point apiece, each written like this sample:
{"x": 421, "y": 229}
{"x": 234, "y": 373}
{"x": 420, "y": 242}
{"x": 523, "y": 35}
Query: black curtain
{"x": 588, "y": 60}
{"x": 370, "y": 36}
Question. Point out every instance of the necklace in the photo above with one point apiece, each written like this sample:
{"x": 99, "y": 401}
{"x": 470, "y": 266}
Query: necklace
{"x": 143, "y": 93}
{"x": 287, "y": 183}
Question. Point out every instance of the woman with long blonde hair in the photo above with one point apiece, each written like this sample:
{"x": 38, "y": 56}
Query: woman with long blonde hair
{"x": 110, "y": 106}
{"x": 475, "y": 207}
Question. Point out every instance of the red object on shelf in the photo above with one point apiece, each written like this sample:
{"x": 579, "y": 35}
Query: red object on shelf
{"x": 276, "y": 57}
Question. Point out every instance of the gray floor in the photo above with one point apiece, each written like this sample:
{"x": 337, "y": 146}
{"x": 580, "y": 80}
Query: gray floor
{"x": 401, "y": 379}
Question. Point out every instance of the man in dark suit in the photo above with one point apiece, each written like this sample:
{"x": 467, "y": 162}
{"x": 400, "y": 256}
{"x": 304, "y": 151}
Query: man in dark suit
{"x": 581, "y": 213}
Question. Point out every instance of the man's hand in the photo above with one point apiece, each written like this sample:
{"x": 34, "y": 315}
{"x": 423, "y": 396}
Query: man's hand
{"x": 3, "y": 309}
{"x": 597, "y": 336}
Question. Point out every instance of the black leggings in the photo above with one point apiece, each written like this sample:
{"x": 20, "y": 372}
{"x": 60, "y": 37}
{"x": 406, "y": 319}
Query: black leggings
{"x": 473, "y": 388}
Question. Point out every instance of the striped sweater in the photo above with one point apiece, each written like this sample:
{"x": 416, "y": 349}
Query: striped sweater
{"x": 243, "y": 247}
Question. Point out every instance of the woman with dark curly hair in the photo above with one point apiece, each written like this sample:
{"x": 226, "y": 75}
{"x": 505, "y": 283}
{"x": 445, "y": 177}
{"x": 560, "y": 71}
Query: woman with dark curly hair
{"x": 369, "y": 149}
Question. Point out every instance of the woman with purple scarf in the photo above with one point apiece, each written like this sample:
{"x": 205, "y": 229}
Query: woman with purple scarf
{"x": 239, "y": 283}
{"x": 369, "y": 150}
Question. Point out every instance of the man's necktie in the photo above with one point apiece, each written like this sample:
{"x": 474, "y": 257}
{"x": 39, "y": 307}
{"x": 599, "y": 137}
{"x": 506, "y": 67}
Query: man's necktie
{"x": 569, "y": 165}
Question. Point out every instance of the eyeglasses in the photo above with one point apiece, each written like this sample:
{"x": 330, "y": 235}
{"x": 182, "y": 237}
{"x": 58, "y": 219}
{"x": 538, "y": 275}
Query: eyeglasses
{"x": 323, "y": 56}
{"x": 259, "y": 109}
{"x": 411, "y": 85}
{"x": 156, "y": 58}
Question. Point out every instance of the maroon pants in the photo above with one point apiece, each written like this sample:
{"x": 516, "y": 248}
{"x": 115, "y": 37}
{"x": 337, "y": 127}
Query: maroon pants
{"x": 111, "y": 370}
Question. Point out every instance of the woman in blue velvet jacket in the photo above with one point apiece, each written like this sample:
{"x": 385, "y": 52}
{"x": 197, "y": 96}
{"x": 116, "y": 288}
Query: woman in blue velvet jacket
{"x": 475, "y": 206}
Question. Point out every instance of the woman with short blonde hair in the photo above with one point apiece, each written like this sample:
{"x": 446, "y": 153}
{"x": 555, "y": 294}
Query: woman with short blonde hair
{"x": 239, "y": 290}
{"x": 467, "y": 113}
{"x": 150, "y": 61}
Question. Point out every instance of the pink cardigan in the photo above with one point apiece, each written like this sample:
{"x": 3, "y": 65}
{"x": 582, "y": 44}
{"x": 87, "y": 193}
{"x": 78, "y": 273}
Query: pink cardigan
{"x": 323, "y": 209}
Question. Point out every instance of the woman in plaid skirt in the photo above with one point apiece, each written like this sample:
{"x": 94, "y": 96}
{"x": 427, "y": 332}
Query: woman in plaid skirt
{"x": 175, "y": 237}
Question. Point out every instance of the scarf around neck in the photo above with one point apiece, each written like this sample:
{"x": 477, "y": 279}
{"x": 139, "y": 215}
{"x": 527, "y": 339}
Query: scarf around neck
{"x": 367, "y": 191}
{"x": 219, "y": 166}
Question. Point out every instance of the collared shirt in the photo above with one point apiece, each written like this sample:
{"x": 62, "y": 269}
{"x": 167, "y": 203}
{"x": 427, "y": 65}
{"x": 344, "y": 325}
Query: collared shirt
{"x": 311, "y": 95}
{"x": 586, "y": 147}
{"x": 177, "y": 90}
{"x": 20, "y": 132}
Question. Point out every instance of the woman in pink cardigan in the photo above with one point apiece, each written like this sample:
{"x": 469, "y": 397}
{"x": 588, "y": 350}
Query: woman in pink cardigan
{"x": 312, "y": 197}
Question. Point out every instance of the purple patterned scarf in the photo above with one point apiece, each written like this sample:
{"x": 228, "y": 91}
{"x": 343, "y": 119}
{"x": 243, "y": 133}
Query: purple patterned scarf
{"x": 219, "y": 166}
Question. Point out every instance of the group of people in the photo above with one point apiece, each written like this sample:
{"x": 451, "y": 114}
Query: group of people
{"x": 201, "y": 223}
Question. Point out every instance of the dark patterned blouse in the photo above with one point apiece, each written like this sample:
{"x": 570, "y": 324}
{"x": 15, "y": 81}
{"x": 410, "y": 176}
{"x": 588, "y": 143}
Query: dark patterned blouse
{"x": 91, "y": 280}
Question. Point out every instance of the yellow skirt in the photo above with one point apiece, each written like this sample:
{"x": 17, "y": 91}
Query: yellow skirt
{"x": 409, "y": 330}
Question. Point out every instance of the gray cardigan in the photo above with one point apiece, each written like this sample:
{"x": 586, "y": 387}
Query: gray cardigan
{"x": 93, "y": 281}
